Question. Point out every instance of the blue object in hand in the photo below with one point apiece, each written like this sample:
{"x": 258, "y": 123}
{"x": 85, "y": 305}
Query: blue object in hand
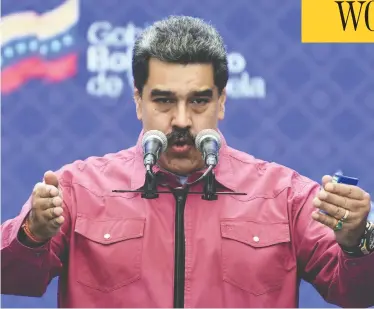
{"x": 345, "y": 179}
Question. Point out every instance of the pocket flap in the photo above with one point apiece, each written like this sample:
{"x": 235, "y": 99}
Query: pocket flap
{"x": 255, "y": 234}
{"x": 110, "y": 230}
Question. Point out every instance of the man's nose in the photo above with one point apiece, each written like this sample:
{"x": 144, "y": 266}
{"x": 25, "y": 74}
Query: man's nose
{"x": 181, "y": 117}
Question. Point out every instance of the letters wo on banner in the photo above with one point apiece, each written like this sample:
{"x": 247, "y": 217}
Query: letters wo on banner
{"x": 337, "y": 21}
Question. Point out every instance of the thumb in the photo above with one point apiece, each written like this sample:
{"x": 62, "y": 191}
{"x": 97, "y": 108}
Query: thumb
{"x": 50, "y": 178}
{"x": 326, "y": 179}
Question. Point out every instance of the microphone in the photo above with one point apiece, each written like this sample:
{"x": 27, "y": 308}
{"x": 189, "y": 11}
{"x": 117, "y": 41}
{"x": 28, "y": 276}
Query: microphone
{"x": 208, "y": 142}
{"x": 154, "y": 142}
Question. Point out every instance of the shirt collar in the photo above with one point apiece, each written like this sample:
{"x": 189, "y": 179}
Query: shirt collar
{"x": 223, "y": 170}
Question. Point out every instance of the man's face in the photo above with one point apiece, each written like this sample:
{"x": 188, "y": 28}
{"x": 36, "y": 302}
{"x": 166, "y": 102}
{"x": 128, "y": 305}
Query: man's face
{"x": 180, "y": 101}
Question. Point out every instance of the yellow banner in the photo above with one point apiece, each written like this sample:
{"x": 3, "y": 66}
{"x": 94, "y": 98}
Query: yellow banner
{"x": 331, "y": 21}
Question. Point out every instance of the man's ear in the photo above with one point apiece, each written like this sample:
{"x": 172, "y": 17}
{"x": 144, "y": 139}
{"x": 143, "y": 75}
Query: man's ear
{"x": 138, "y": 103}
{"x": 221, "y": 103}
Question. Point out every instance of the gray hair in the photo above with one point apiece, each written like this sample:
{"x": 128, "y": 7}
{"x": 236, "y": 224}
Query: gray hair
{"x": 180, "y": 39}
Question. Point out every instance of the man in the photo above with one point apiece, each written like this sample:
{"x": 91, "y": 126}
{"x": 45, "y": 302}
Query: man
{"x": 121, "y": 250}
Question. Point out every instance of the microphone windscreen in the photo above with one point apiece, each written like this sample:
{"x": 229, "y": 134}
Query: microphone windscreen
{"x": 155, "y": 134}
{"x": 207, "y": 134}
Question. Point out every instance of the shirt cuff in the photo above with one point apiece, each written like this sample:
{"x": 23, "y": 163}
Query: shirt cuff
{"x": 21, "y": 250}
{"x": 352, "y": 262}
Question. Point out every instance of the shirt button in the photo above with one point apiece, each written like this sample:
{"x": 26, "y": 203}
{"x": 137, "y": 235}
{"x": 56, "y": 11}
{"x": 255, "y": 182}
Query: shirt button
{"x": 107, "y": 236}
{"x": 256, "y": 239}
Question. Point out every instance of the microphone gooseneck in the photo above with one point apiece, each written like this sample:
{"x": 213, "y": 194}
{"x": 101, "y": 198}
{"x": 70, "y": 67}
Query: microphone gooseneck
{"x": 154, "y": 142}
{"x": 208, "y": 142}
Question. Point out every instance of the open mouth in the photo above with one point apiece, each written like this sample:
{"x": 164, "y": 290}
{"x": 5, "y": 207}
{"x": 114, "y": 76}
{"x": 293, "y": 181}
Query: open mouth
{"x": 181, "y": 146}
{"x": 180, "y": 143}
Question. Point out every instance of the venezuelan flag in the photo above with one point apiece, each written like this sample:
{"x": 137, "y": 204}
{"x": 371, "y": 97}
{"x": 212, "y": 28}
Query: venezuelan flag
{"x": 41, "y": 46}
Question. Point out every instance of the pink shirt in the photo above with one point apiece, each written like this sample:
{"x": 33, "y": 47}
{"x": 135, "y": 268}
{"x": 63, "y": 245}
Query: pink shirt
{"x": 117, "y": 249}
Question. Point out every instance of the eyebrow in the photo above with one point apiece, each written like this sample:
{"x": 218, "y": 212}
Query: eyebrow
{"x": 168, "y": 93}
{"x": 203, "y": 93}
{"x": 161, "y": 93}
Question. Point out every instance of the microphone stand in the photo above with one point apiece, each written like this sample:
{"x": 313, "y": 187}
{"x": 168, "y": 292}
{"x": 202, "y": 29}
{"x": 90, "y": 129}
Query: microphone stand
{"x": 150, "y": 186}
{"x": 149, "y": 189}
{"x": 210, "y": 189}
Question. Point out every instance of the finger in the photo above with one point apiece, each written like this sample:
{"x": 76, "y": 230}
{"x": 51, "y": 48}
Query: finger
{"x": 54, "y": 224}
{"x": 326, "y": 179}
{"x": 331, "y": 209}
{"x": 50, "y": 178}
{"x": 46, "y": 203}
{"x": 325, "y": 219}
{"x": 342, "y": 189}
{"x": 57, "y": 222}
{"x": 52, "y": 212}
{"x": 44, "y": 190}
{"x": 336, "y": 200}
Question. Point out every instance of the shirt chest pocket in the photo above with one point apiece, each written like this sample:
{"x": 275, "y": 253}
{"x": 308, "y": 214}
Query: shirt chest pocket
{"x": 256, "y": 257}
{"x": 108, "y": 253}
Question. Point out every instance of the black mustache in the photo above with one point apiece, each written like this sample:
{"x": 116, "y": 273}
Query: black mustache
{"x": 180, "y": 135}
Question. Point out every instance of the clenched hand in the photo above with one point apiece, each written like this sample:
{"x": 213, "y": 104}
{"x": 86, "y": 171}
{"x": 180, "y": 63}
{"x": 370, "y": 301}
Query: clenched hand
{"x": 347, "y": 203}
{"x": 46, "y": 218}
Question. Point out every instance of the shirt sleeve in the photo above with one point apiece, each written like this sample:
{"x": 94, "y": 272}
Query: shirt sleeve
{"x": 340, "y": 279}
{"x": 27, "y": 271}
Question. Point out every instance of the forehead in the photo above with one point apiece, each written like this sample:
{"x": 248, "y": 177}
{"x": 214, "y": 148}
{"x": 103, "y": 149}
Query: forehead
{"x": 179, "y": 78}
